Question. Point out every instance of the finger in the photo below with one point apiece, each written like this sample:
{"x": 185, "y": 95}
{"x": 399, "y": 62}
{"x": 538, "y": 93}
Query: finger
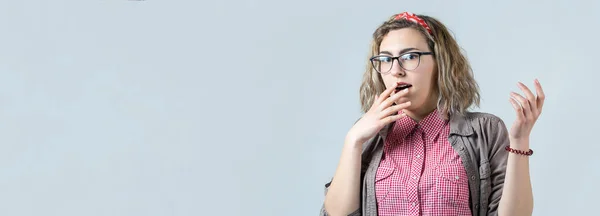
{"x": 530, "y": 96}
{"x": 518, "y": 109}
{"x": 524, "y": 104}
{"x": 385, "y": 94}
{"x": 540, "y": 95}
{"x": 391, "y": 96}
{"x": 393, "y": 109}
{"x": 392, "y": 118}
{"x": 389, "y": 101}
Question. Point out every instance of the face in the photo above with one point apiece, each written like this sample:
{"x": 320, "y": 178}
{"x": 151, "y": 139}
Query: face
{"x": 402, "y": 42}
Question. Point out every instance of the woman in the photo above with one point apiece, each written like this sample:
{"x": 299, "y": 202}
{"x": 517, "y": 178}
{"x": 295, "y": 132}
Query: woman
{"x": 417, "y": 150}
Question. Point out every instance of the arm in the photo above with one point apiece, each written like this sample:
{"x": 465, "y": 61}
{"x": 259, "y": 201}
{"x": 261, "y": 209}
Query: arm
{"x": 343, "y": 195}
{"x": 517, "y": 198}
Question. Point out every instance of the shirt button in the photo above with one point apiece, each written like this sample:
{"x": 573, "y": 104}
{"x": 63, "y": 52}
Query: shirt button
{"x": 414, "y": 177}
{"x": 472, "y": 177}
{"x": 418, "y": 156}
{"x": 414, "y": 204}
{"x": 456, "y": 177}
{"x": 477, "y": 206}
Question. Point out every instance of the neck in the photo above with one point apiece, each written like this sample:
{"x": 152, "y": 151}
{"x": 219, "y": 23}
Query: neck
{"x": 420, "y": 113}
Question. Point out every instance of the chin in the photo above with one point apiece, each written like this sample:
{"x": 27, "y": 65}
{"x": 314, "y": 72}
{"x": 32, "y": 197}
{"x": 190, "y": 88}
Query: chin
{"x": 403, "y": 100}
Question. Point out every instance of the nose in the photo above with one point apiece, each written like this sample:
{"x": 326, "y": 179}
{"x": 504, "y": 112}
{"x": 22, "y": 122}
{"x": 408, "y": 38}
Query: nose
{"x": 396, "y": 69}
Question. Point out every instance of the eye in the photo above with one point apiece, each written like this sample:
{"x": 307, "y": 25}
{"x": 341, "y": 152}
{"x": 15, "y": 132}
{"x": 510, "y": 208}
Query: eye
{"x": 383, "y": 59}
{"x": 409, "y": 56}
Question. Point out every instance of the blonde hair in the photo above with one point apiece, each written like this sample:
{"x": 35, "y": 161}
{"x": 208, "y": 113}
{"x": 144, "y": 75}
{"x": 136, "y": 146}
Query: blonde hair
{"x": 455, "y": 82}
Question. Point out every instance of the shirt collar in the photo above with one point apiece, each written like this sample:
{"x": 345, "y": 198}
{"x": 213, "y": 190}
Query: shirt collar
{"x": 431, "y": 125}
{"x": 459, "y": 125}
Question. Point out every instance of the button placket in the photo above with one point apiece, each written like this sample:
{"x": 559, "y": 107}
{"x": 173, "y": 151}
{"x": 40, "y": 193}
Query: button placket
{"x": 416, "y": 169}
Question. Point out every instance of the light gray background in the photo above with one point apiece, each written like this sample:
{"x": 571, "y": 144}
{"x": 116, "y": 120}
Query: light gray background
{"x": 240, "y": 107}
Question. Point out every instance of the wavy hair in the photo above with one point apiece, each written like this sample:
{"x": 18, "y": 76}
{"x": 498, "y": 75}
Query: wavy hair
{"x": 456, "y": 86}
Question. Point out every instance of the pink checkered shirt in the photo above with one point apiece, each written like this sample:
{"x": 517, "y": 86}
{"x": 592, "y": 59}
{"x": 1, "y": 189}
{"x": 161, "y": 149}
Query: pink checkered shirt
{"x": 420, "y": 173}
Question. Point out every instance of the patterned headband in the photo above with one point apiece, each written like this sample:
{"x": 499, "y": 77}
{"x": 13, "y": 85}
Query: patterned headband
{"x": 414, "y": 18}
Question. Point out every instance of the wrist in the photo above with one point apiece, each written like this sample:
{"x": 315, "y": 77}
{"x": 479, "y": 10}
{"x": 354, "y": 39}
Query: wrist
{"x": 519, "y": 143}
{"x": 352, "y": 142}
{"x": 519, "y": 152}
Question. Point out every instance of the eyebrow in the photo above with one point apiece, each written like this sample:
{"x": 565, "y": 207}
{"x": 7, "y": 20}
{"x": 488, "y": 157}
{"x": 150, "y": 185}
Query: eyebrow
{"x": 401, "y": 51}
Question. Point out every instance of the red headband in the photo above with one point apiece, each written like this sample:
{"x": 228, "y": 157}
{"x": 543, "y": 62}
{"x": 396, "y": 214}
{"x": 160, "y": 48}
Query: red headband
{"x": 414, "y": 18}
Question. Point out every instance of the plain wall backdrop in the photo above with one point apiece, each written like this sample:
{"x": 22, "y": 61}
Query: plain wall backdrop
{"x": 154, "y": 107}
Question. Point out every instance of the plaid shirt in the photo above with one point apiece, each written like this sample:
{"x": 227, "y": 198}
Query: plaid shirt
{"x": 420, "y": 173}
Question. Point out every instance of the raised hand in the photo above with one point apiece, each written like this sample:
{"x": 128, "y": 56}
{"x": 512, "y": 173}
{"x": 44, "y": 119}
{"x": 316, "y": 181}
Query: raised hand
{"x": 528, "y": 109}
{"x": 379, "y": 115}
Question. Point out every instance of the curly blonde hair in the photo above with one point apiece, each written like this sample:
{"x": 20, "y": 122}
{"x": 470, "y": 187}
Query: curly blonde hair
{"x": 456, "y": 86}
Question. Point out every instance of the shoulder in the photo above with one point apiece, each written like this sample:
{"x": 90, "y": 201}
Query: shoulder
{"x": 478, "y": 122}
{"x": 483, "y": 117}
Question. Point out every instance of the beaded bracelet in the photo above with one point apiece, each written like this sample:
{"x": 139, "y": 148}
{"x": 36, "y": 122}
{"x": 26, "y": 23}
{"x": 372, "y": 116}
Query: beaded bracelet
{"x": 516, "y": 151}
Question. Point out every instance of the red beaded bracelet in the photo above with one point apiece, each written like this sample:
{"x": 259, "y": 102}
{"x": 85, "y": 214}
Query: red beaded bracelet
{"x": 516, "y": 151}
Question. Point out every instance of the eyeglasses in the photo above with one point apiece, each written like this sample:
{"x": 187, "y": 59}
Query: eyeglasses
{"x": 408, "y": 61}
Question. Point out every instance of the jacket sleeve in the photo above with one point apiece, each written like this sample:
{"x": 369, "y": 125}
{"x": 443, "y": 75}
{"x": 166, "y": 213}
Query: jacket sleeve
{"x": 324, "y": 212}
{"x": 498, "y": 160}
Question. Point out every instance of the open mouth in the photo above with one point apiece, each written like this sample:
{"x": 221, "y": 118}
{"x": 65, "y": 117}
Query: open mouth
{"x": 402, "y": 87}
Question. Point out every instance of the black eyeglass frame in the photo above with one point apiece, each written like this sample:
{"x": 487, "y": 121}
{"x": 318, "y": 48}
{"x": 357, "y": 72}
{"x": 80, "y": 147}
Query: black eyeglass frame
{"x": 419, "y": 54}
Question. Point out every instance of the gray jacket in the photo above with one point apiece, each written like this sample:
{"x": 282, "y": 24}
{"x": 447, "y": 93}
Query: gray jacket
{"x": 478, "y": 138}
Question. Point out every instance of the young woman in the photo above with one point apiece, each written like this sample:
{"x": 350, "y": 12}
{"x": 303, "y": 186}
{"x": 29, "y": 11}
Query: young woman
{"x": 417, "y": 150}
